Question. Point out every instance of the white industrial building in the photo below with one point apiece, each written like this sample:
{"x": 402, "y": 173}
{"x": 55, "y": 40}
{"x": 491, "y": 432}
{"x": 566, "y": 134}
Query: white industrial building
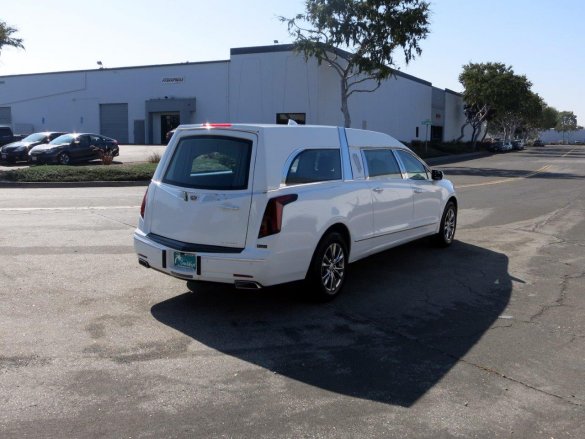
{"x": 267, "y": 84}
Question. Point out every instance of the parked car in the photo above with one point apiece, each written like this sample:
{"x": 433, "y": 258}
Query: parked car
{"x": 500, "y": 146}
{"x": 517, "y": 145}
{"x": 260, "y": 205}
{"x": 538, "y": 142}
{"x": 18, "y": 151}
{"x": 7, "y": 136}
{"x": 74, "y": 147}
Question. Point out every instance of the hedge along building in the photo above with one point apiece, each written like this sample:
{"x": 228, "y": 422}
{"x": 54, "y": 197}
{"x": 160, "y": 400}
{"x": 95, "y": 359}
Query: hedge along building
{"x": 267, "y": 84}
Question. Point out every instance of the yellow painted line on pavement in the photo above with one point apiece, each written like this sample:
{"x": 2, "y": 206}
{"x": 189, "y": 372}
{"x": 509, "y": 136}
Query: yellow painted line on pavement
{"x": 565, "y": 155}
{"x": 505, "y": 180}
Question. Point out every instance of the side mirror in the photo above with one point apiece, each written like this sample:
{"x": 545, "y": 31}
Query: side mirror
{"x": 436, "y": 174}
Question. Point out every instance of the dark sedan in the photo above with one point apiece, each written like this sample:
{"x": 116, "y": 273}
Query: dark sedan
{"x": 75, "y": 147}
{"x": 18, "y": 151}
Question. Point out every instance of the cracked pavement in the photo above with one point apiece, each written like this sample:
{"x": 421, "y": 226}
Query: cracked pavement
{"x": 485, "y": 339}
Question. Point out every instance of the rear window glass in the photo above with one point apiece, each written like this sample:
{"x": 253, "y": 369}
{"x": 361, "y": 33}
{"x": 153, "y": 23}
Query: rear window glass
{"x": 314, "y": 165}
{"x": 210, "y": 162}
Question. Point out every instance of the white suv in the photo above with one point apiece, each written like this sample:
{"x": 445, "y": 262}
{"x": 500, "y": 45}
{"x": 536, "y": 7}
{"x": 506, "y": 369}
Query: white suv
{"x": 259, "y": 205}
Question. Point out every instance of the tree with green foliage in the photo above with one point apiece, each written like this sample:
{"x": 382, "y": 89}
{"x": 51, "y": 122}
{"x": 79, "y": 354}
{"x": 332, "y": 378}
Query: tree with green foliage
{"x": 549, "y": 118}
{"x": 519, "y": 113}
{"x": 566, "y": 123}
{"x": 489, "y": 88}
{"x": 6, "y": 37}
{"x": 357, "y": 38}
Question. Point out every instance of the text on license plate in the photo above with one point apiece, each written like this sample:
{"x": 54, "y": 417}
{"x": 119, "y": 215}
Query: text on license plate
{"x": 185, "y": 260}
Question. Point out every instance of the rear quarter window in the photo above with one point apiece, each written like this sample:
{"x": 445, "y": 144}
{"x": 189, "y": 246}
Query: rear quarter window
{"x": 313, "y": 165}
{"x": 210, "y": 162}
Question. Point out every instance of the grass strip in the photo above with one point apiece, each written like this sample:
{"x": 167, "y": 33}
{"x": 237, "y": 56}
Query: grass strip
{"x": 58, "y": 173}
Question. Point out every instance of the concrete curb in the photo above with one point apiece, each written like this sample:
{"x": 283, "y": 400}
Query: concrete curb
{"x": 73, "y": 184}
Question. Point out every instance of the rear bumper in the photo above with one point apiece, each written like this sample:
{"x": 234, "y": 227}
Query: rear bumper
{"x": 43, "y": 158}
{"x": 250, "y": 266}
{"x": 12, "y": 156}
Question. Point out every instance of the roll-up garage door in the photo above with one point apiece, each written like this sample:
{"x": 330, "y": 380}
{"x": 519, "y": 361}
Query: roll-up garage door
{"x": 5, "y": 116}
{"x": 114, "y": 121}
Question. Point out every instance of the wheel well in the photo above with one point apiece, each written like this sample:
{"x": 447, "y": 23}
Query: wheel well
{"x": 454, "y": 200}
{"x": 343, "y": 231}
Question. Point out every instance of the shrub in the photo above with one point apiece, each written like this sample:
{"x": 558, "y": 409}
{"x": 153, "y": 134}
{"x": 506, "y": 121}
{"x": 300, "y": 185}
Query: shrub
{"x": 106, "y": 157}
{"x": 154, "y": 157}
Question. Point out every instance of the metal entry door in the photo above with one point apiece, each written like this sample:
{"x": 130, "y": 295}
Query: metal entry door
{"x": 114, "y": 121}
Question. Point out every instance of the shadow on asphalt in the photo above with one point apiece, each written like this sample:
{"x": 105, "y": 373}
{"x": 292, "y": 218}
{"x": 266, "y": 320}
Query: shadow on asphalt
{"x": 405, "y": 318}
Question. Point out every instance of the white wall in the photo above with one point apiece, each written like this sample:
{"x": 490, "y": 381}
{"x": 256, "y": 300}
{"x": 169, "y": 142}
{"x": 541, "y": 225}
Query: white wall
{"x": 251, "y": 87}
{"x": 70, "y": 101}
{"x": 397, "y": 108}
{"x": 454, "y": 118}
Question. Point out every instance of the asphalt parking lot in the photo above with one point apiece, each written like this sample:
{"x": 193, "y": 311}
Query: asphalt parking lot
{"x": 484, "y": 339}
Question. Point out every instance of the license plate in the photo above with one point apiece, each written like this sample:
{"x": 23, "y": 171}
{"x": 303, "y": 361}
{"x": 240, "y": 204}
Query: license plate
{"x": 185, "y": 260}
{"x": 33, "y": 158}
{"x": 3, "y": 156}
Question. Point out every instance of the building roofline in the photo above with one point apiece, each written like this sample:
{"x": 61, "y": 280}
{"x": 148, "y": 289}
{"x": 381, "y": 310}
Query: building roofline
{"x": 290, "y": 47}
{"x": 114, "y": 69}
{"x": 233, "y": 51}
{"x": 453, "y": 92}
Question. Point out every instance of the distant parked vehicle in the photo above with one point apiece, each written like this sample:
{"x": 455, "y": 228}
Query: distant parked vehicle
{"x": 517, "y": 145}
{"x": 75, "y": 147}
{"x": 500, "y": 146}
{"x": 18, "y": 151}
{"x": 7, "y": 136}
{"x": 538, "y": 142}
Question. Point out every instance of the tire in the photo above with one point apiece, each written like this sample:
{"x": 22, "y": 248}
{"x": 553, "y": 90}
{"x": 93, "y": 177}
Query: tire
{"x": 328, "y": 269}
{"x": 446, "y": 233}
{"x": 64, "y": 158}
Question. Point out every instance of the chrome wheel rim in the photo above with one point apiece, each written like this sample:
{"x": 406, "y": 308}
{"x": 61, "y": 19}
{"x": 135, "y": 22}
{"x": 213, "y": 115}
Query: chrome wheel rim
{"x": 332, "y": 268}
{"x": 449, "y": 227}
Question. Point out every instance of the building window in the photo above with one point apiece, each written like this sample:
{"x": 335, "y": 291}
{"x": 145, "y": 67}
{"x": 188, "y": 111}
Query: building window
{"x": 416, "y": 133}
{"x": 283, "y": 118}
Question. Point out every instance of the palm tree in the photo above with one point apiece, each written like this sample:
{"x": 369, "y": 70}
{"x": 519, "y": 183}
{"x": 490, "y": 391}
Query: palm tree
{"x": 6, "y": 38}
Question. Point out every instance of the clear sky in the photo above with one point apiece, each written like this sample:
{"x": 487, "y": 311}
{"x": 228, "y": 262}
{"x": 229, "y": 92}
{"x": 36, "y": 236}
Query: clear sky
{"x": 542, "y": 39}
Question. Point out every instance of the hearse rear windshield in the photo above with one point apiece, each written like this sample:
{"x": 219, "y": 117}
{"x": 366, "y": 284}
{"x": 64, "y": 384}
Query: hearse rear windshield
{"x": 210, "y": 162}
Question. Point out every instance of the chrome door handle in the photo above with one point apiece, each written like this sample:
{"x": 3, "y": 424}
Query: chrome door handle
{"x": 229, "y": 207}
{"x": 418, "y": 191}
{"x": 378, "y": 190}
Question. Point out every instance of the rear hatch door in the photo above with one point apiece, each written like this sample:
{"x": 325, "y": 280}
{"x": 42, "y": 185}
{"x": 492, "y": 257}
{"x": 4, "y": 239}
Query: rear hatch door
{"x": 205, "y": 191}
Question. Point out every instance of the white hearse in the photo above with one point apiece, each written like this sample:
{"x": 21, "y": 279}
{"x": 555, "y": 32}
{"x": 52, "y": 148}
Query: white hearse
{"x": 259, "y": 205}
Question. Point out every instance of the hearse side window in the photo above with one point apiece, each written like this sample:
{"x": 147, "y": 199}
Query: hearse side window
{"x": 314, "y": 165}
{"x": 210, "y": 162}
{"x": 382, "y": 163}
{"x": 415, "y": 169}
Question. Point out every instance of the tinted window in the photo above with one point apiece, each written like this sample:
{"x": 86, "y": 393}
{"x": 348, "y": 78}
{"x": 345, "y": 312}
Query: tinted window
{"x": 382, "y": 162}
{"x": 210, "y": 162}
{"x": 415, "y": 169}
{"x": 65, "y": 138}
{"x": 36, "y": 137}
{"x": 5, "y": 132}
{"x": 314, "y": 165}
